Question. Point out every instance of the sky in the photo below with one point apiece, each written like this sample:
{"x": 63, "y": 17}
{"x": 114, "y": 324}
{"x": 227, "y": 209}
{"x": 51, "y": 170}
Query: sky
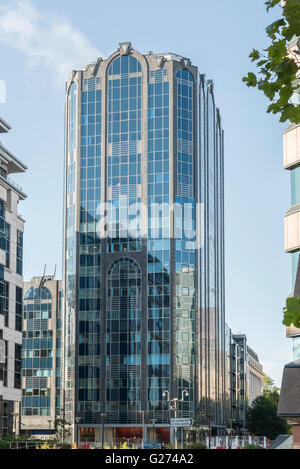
{"x": 41, "y": 42}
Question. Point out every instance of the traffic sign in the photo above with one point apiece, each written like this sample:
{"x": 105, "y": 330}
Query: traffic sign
{"x": 182, "y": 422}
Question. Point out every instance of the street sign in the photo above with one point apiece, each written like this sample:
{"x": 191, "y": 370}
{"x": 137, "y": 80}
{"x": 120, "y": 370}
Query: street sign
{"x": 182, "y": 422}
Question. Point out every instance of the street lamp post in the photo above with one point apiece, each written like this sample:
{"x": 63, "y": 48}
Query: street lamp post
{"x": 49, "y": 422}
{"x": 174, "y": 406}
{"x": 103, "y": 429}
{"x": 77, "y": 420}
{"x": 209, "y": 431}
{"x": 153, "y": 423}
{"x": 142, "y": 412}
{"x": 15, "y": 415}
{"x": 230, "y": 435}
{"x": 208, "y": 416}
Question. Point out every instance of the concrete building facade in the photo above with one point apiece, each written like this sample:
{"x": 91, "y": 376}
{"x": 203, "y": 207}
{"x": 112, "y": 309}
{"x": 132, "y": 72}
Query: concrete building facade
{"x": 288, "y": 407}
{"x": 11, "y": 287}
{"x": 255, "y": 376}
{"x": 291, "y": 147}
{"x": 41, "y": 356}
{"x": 144, "y": 291}
{"x": 244, "y": 380}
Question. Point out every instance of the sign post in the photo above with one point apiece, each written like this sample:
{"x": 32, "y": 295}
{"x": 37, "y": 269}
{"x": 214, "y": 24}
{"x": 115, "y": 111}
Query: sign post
{"x": 188, "y": 422}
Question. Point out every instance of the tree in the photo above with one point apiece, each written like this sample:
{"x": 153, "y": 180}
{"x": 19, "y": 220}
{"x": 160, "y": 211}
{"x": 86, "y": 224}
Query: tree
{"x": 291, "y": 312}
{"x": 262, "y": 417}
{"x": 270, "y": 390}
{"x": 277, "y": 71}
{"x": 62, "y": 433}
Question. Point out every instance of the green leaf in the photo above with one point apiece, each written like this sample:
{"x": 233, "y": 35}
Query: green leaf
{"x": 292, "y": 312}
{"x": 261, "y": 63}
{"x": 271, "y": 3}
{"x": 292, "y": 15}
{"x": 250, "y": 79}
{"x": 278, "y": 50}
{"x": 277, "y": 74}
{"x": 273, "y": 28}
{"x": 255, "y": 55}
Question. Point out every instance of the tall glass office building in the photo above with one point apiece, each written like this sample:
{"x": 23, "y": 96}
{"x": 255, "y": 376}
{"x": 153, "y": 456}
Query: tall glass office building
{"x": 144, "y": 245}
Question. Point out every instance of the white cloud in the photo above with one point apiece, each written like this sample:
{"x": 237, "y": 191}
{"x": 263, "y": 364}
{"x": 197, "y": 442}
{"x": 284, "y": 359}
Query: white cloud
{"x": 47, "y": 41}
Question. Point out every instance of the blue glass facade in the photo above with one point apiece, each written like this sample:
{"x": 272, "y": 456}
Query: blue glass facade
{"x": 89, "y": 248}
{"x": 144, "y": 279}
{"x": 41, "y": 354}
{"x": 159, "y": 282}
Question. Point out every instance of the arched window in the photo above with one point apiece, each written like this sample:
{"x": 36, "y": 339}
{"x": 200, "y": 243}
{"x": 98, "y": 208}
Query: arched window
{"x": 185, "y": 75}
{"x": 124, "y": 64}
{"x": 185, "y": 133}
{"x": 124, "y": 266}
{"x": 37, "y": 294}
{"x": 123, "y": 347}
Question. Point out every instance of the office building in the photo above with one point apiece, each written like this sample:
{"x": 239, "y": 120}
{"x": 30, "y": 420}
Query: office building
{"x": 11, "y": 288}
{"x": 144, "y": 246}
{"x": 238, "y": 381}
{"x": 41, "y": 356}
{"x": 244, "y": 380}
{"x": 288, "y": 407}
{"x": 255, "y": 376}
{"x": 291, "y": 140}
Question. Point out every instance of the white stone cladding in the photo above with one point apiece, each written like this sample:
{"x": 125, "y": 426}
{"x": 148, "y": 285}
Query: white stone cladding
{"x": 11, "y": 195}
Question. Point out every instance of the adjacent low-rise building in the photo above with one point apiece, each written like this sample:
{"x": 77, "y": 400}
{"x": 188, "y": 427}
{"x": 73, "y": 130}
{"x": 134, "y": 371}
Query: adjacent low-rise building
{"x": 41, "y": 356}
{"x": 11, "y": 287}
{"x": 255, "y": 376}
{"x": 244, "y": 380}
{"x": 238, "y": 381}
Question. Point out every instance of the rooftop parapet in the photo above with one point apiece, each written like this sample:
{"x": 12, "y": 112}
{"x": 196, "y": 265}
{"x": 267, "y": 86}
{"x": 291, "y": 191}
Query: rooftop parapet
{"x": 13, "y": 164}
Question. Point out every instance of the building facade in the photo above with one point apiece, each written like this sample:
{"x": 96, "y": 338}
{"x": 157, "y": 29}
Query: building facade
{"x": 11, "y": 287}
{"x": 244, "y": 380}
{"x": 255, "y": 376}
{"x": 291, "y": 143}
{"x": 291, "y": 375}
{"x": 41, "y": 356}
{"x": 144, "y": 245}
{"x": 238, "y": 373}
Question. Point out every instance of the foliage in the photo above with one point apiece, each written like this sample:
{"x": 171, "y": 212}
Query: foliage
{"x": 48, "y": 445}
{"x": 262, "y": 417}
{"x": 291, "y": 312}
{"x": 4, "y": 444}
{"x": 270, "y": 391}
{"x": 124, "y": 445}
{"x": 62, "y": 433}
{"x": 278, "y": 72}
{"x": 6, "y": 437}
{"x": 200, "y": 445}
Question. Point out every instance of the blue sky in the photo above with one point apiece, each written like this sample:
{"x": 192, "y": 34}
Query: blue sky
{"x": 40, "y": 42}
